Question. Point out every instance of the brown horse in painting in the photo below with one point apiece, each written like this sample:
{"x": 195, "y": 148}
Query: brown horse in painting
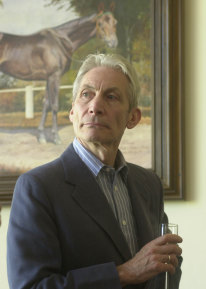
{"x": 46, "y": 55}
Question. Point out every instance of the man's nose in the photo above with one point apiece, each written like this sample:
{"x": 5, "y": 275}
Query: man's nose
{"x": 96, "y": 105}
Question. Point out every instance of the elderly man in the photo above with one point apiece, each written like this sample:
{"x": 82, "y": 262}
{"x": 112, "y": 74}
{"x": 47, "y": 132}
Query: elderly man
{"x": 89, "y": 219}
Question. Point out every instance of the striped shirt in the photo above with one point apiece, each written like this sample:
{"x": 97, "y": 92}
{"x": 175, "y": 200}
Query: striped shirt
{"x": 113, "y": 184}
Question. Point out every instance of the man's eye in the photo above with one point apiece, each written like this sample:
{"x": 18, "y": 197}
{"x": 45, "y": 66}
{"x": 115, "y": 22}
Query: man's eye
{"x": 112, "y": 96}
{"x": 86, "y": 94}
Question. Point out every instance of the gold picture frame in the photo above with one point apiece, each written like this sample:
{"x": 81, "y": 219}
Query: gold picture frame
{"x": 168, "y": 132}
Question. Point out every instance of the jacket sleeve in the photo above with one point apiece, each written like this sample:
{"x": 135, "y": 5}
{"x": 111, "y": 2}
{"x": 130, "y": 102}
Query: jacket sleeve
{"x": 34, "y": 255}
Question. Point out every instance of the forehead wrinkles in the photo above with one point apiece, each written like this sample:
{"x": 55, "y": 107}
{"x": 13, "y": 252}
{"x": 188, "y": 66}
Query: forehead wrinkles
{"x": 104, "y": 90}
{"x": 105, "y": 79}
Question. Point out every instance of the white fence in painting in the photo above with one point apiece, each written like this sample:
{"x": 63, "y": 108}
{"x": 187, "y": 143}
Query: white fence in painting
{"x": 29, "y": 96}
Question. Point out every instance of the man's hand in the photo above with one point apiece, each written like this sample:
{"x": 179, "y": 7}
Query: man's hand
{"x": 160, "y": 255}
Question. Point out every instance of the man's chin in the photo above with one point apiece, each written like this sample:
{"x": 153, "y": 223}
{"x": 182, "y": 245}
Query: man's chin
{"x": 97, "y": 138}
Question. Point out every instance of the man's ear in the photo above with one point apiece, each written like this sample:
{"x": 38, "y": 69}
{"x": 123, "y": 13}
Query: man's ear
{"x": 135, "y": 117}
{"x": 71, "y": 113}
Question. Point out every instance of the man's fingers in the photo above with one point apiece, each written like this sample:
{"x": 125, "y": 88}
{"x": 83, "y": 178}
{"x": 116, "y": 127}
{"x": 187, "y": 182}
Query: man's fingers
{"x": 170, "y": 268}
{"x": 171, "y": 249}
{"x": 171, "y": 259}
{"x": 168, "y": 259}
{"x": 169, "y": 263}
{"x": 168, "y": 238}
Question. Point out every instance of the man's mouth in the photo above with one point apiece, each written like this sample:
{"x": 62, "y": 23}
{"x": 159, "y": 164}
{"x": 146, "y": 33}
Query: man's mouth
{"x": 95, "y": 124}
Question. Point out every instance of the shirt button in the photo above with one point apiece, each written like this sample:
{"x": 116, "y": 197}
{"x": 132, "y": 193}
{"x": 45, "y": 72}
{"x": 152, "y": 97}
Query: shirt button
{"x": 124, "y": 223}
{"x": 115, "y": 188}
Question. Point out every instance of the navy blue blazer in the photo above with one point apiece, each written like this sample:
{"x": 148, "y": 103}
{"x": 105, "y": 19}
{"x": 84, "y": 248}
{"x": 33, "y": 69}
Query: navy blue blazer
{"x": 62, "y": 232}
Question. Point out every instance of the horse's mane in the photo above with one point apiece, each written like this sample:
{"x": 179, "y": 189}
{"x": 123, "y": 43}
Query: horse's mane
{"x": 74, "y": 23}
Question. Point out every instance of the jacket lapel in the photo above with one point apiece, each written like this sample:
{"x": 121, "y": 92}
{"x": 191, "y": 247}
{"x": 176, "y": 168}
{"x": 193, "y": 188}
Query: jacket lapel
{"x": 91, "y": 199}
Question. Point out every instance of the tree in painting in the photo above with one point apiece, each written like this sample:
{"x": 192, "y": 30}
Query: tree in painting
{"x": 133, "y": 18}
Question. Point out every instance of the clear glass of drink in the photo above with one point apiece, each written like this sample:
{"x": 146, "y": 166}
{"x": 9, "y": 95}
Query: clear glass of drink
{"x": 168, "y": 228}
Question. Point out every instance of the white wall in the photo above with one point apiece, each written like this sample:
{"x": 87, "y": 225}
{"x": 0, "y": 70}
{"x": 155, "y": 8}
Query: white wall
{"x": 191, "y": 213}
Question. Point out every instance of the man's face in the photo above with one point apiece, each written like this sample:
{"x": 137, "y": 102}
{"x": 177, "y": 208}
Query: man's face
{"x": 100, "y": 112}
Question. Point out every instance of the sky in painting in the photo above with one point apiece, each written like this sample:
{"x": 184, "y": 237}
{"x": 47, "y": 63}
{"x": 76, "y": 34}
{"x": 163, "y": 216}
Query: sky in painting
{"x": 29, "y": 16}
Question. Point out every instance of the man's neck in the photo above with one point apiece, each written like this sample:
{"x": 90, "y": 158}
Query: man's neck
{"x": 106, "y": 154}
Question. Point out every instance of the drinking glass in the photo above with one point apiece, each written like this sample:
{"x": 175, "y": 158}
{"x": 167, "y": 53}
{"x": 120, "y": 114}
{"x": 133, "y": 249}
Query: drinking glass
{"x": 168, "y": 228}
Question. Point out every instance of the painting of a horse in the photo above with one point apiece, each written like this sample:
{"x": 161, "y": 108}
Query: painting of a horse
{"x": 46, "y": 55}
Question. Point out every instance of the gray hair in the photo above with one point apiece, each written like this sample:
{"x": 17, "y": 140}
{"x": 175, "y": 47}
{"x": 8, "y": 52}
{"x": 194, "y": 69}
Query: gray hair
{"x": 114, "y": 61}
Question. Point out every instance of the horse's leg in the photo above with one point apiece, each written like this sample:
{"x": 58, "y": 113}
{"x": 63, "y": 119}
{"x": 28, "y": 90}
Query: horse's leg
{"x": 41, "y": 132}
{"x": 53, "y": 93}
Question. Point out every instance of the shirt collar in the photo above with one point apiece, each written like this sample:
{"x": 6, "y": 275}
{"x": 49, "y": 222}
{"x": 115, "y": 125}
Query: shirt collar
{"x": 94, "y": 164}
